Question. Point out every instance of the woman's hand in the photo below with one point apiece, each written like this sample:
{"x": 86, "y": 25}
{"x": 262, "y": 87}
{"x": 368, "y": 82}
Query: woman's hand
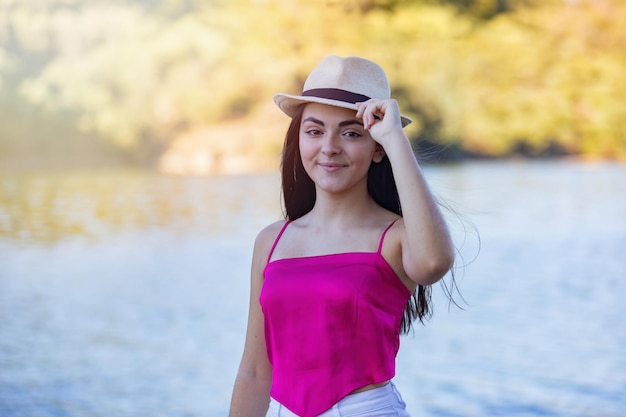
{"x": 381, "y": 118}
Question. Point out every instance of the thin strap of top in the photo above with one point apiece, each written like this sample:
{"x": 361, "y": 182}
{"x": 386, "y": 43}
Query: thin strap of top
{"x": 277, "y": 239}
{"x": 382, "y": 237}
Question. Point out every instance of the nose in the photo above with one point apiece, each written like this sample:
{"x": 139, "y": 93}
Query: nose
{"x": 331, "y": 144}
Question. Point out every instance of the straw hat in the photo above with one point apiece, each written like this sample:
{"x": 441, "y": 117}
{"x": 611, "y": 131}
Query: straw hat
{"x": 340, "y": 82}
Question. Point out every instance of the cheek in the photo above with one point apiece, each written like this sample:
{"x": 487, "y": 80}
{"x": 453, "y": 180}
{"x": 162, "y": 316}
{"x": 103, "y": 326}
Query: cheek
{"x": 306, "y": 148}
{"x": 302, "y": 148}
{"x": 366, "y": 151}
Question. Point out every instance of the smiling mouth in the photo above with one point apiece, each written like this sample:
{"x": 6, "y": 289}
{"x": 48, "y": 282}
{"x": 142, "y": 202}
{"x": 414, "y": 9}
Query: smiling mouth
{"x": 331, "y": 166}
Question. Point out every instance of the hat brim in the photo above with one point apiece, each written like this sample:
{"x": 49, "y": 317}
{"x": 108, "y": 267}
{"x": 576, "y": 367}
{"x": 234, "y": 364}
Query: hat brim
{"x": 289, "y": 104}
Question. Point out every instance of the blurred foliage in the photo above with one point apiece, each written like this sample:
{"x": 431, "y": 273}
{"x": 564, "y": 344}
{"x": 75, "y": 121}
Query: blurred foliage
{"x": 484, "y": 77}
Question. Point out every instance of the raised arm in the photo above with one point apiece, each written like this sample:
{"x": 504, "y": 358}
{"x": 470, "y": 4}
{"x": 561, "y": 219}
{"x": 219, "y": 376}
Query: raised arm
{"x": 427, "y": 249}
{"x": 252, "y": 385}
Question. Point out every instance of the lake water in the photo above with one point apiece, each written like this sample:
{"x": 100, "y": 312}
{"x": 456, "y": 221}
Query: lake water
{"x": 124, "y": 293}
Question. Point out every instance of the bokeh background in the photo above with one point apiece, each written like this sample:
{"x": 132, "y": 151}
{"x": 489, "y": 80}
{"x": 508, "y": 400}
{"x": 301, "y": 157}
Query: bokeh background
{"x": 166, "y": 81}
{"x": 139, "y": 149}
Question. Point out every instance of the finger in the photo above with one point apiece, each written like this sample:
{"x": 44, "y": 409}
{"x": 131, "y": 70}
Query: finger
{"x": 370, "y": 112}
{"x": 361, "y": 113}
{"x": 361, "y": 108}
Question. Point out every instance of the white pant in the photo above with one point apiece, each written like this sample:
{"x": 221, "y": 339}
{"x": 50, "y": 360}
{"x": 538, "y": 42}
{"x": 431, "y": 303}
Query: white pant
{"x": 378, "y": 402}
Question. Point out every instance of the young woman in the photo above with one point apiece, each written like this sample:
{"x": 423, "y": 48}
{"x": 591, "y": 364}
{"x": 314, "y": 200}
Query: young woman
{"x": 335, "y": 283}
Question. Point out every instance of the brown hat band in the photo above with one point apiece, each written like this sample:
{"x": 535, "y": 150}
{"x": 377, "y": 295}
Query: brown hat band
{"x": 336, "y": 94}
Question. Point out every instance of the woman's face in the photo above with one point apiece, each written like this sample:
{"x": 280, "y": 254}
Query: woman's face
{"x": 336, "y": 150}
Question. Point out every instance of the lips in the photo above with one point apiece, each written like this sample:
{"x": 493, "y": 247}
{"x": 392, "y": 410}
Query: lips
{"x": 331, "y": 166}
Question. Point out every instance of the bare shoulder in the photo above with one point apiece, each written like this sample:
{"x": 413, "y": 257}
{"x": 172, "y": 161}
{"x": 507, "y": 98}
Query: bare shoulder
{"x": 392, "y": 251}
{"x": 395, "y": 232}
{"x": 266, "y": 238}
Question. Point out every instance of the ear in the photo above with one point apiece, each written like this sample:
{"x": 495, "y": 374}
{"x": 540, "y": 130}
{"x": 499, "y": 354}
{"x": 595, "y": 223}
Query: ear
{"x": 379, "y": 153}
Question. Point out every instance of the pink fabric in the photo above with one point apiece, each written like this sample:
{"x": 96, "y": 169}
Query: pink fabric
{"x": 332, "y": 325}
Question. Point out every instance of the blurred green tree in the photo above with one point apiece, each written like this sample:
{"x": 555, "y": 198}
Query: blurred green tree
{"x": 489, "y": 77}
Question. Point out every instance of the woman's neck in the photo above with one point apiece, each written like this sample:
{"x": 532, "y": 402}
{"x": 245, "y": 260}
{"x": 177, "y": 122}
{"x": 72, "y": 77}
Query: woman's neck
{"x": 344, "y": 209}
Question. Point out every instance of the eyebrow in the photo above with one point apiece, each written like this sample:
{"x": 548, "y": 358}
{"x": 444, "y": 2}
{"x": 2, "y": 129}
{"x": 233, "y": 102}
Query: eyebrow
{"x": 350, "y": 122}
{"x": 341, "y": 124}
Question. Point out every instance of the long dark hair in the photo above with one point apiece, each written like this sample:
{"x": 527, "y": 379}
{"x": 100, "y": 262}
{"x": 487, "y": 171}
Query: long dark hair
{"x": 299, "y": 198}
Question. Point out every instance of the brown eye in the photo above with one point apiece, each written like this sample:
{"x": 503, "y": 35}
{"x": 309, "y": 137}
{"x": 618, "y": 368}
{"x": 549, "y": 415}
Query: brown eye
{"x": 313, "y": 132}
{"x": 352, "y": 134}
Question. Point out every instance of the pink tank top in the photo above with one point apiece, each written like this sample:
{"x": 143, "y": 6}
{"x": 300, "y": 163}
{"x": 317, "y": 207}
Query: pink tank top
{"x": 332, "y": 325}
